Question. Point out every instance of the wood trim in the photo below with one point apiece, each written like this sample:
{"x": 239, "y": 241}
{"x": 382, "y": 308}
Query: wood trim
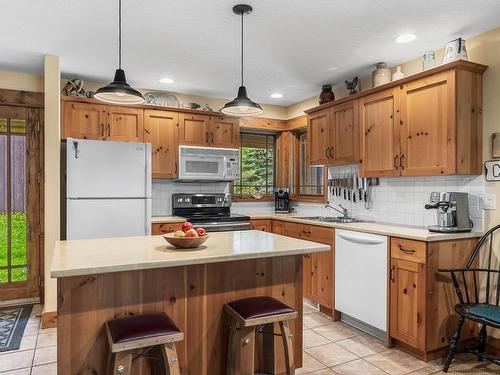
{"x": 21, "y": 98}
{"x": 249, "y": 198}
{"x": 460, "y": 64}
{"x": 49, "y": 319}
{"x": 296, "y": 123}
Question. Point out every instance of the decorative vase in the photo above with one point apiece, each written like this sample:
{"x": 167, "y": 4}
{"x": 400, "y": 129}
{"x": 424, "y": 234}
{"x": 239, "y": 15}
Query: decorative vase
{"x": 429, "y": 60}
{"x": 398, "y": 74}
{"x": 326, "y": 95}
{"x": 381, "y": 75}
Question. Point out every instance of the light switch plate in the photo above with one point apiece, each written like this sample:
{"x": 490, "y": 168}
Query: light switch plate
{"x": 488, "y": 201}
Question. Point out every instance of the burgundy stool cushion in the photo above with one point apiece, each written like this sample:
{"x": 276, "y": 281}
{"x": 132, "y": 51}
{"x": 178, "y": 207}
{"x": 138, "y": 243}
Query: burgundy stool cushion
{"x": 137, "y": 327}
{"x": 258, "y": 307}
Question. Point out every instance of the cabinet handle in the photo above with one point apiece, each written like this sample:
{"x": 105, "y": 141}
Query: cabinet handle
{"x": 102, "y": 130}
{"x": 326, "y": 152}
{"x": 396, "y": 161}
{"x": 331, "y": 152}
{"x": 306, "y": 232}
{"x": 405, "y": 250}
{"x": 212, "y": 138}
{"x": 175, "y": 167}
{"x": 393, "y": 268}
{"x": 206, "y": 137}
{"x": 109, "y": 130}
{"x": 401, "y": 161}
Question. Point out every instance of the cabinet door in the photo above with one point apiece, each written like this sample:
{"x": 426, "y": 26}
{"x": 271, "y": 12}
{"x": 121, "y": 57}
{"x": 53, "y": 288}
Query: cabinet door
{"x": 263, "y": 225}
{"x": 193, "y": 129}
{"x": 161, "y": 129}
{"x": 407, "y": 302}
{"x": 285, "y": 156}
{"x": 278, "y": 227}
{"x": 84, "y": 120}
{"x": 428, "y": 142}
{"x": 224, "y": 132}
{"x": 345, "y": 133}
{"x": 380, "y": 134}
{"x": 318, "y": 133}
{"x": 307, "y": 276}
{"x": 125, "y": 124}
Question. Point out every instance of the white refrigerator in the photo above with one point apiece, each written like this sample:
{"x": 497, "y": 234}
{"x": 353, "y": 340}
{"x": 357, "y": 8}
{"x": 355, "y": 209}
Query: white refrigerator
{"x": 108, "y": 189}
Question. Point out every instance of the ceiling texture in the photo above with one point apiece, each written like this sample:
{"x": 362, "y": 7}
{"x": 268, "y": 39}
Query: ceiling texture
{"x": 292, "y": 46}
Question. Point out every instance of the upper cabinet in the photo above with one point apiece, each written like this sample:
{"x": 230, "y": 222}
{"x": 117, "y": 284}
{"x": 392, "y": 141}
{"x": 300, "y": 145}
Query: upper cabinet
{"x": 208, "y": 131}
{"x": 334, "y": 134}
{"x": 423, "y": 125}
{"x": 125, "y": 124}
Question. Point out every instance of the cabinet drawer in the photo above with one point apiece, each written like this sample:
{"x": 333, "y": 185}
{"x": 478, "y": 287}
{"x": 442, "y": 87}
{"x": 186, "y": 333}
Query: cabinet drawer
{"x": 412, "y": 251}
{"x": 261, "y": 224}
{"x": 310, "y": 232}
{"x": 165, "y": 228}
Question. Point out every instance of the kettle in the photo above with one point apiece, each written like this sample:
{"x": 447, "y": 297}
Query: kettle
{"x": 455, "y": 50}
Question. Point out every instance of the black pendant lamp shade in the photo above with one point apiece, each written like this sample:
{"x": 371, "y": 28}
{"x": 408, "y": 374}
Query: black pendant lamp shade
{"x": 119, "y": 91}
{"x": 242, "y": 105}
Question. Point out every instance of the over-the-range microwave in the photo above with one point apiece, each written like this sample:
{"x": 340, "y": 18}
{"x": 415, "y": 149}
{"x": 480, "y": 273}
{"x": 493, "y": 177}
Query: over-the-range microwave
{"x": 208, "y": 163}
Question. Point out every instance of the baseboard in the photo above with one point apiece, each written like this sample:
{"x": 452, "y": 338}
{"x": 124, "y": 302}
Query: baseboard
{"x": 49, "y": 319}
{"x": 20, "y": 302}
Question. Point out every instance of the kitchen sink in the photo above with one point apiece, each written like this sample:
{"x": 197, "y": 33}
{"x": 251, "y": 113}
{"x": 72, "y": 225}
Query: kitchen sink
{"x": 331, "y": 219}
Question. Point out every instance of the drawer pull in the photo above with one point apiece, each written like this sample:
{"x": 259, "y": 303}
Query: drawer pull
{"x": 306, "y": 232}
{"x": 405, "y": 250}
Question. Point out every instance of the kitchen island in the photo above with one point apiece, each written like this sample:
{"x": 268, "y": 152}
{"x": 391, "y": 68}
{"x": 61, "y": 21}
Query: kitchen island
{"x": 102, "y": 279}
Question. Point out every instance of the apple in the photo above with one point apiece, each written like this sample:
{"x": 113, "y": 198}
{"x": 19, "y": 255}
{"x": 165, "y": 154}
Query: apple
{"x": 179, "y": 234}
{"x": 201, "y": 232}
{"x": 186, "y": 226}
{"x": 191, "y": 233}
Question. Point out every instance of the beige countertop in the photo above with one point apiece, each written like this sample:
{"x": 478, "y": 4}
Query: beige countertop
{"x": 388, "y": 229}
{"x": 88, "y": 257}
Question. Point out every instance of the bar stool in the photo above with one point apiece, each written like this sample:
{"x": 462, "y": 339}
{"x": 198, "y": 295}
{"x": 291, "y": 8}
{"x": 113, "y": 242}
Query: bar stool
{"x": 257, "y": 315}
{"x": 137, "y": 335}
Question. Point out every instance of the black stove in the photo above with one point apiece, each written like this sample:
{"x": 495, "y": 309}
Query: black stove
{"x": 210, "y": 211}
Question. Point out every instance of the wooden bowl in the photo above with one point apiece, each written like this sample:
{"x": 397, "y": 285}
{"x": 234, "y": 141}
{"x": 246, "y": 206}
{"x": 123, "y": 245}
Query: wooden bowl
{"x": 185, "y": 242}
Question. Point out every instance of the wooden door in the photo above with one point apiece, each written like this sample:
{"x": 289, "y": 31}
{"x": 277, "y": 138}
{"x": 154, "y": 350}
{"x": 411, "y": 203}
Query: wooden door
{"x": 84, "y": 120}
{"x": 224, "y": 132}
{"x": 318, "y": 133}
{"x": 407, "y": 302}
{"x": 193, "y": 129}
{"x": 345, "y": 133}
{"x": 380, "y": 129}
{"x": 428, "y": 142}
{"x": 161, "y": 129}
{"x": 125, "y": 124}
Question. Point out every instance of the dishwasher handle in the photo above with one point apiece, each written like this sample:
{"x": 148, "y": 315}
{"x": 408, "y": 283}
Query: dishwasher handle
{"x": 360, "y": 239}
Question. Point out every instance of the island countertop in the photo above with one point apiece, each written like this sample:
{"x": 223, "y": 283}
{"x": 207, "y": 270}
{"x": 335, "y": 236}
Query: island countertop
{"x": 97, "y": 256}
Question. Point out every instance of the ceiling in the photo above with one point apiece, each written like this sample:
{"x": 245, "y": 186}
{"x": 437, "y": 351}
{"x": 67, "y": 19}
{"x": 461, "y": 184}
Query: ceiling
{"x": 292, "y": 47}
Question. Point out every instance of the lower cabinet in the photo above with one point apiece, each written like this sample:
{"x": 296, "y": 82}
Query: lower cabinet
{"x": 164, "y": 228}
{"x": 422, "y": 317}
{"x": 264, "y": 225}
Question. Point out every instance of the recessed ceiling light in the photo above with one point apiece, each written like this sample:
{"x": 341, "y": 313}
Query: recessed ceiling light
{"x": 166, "y": 80}
{"x": 406, "y": 38}
{"x": 276, "y": 95}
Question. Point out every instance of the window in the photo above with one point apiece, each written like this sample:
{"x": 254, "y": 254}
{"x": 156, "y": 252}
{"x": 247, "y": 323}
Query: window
{"x": 257, "y": 165}
{"x": 311, "y": 178}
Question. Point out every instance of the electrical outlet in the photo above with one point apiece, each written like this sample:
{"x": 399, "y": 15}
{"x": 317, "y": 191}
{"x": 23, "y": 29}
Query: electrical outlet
{"x": 488, "y": 201}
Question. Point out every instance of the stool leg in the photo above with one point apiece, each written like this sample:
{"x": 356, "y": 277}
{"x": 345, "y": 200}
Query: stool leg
{"x": 245, "y": 351}
{"x": 169, "y": 353}
{"x": 286, "y": 336}
{"x": 268, "y": 348}
{"x": 232, "y": 347}
{"x": 122, "y": 363}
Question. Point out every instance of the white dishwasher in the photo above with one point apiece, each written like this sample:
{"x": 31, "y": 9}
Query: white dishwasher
{"x": 361, "y": 280}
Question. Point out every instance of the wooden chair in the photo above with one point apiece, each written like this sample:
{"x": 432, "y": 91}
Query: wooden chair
{"x": 139, "y": 336}
{"x": 257, "y": 315}
{"x": 475, "y": 304}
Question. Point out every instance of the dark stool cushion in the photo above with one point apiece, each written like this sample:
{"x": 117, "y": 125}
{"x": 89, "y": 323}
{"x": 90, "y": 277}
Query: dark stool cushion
{"x": 137, "y": 327}
{"x": 258, "y": 307}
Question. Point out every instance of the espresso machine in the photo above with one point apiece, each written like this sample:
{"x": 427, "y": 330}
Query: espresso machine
{"x": 282, "y": 201}
{"x": 452, "y": 212}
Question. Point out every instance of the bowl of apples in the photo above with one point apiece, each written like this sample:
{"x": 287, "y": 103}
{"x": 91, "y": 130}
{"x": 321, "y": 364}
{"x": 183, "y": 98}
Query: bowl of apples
{"x": 188, "y": 237}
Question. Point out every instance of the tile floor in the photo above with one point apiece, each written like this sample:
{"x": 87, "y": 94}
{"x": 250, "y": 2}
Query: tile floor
{"x": 330, "y": 348}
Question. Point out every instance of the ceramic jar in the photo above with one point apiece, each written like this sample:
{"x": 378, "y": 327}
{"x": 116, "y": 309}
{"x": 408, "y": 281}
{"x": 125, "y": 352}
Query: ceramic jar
{"x": 398, "y": 74}
{"x": 326, "y": 95}
{"x": 381, "y": 75}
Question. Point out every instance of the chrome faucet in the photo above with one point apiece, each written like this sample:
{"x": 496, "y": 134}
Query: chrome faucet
{"x": 344, "y": 210}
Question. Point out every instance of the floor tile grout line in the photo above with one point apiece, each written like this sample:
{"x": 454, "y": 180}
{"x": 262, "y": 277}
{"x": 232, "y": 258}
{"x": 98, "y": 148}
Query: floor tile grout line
{"x": 385, "y": 372}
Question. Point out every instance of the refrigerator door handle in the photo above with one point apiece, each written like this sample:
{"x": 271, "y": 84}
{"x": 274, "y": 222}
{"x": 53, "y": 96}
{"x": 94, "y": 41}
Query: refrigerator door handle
{"x": 75, "y": 147}
{"x": 148, "y": 177}
{"x": 147, "y": 224}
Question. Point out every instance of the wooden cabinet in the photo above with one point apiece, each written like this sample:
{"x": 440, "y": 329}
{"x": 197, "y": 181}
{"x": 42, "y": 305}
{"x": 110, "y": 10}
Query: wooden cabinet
{"x": 125, "y": 124}
{"x": 421, "y": 300}
{"x": 380, "y": 128}
{"x": 161, "y": 129}
{"x": 285, "y": 157}
{"x": 164, "y": 228}
{"x": 84, "y": 120}
{"x": 208, "y": 131}
{"x": 264, "y": 225}
{"x": 318, "y": 134}
{"x": 278, "y": 227}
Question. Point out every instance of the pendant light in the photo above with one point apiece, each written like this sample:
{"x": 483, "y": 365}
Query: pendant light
{"x": 242, "y": 105}
{"x": 119, "y": 91}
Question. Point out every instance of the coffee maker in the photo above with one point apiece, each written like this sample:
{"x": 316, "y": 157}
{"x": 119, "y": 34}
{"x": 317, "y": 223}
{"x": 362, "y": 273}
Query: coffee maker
{"x": 282, "y": 201}
{"x": 452, "y": 212}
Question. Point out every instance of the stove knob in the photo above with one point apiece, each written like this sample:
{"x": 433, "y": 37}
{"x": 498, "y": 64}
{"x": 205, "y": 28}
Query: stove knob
{"x": 219, "y": 199}
{"x": 179, "y": 200}
{"x": 187, "y": 200}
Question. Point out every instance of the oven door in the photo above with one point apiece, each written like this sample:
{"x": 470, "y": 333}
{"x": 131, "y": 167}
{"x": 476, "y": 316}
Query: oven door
{"x": 198, "y": 167}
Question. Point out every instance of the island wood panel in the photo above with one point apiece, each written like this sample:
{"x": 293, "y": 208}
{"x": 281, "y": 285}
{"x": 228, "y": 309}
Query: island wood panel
{"x": 193, "y": 296}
